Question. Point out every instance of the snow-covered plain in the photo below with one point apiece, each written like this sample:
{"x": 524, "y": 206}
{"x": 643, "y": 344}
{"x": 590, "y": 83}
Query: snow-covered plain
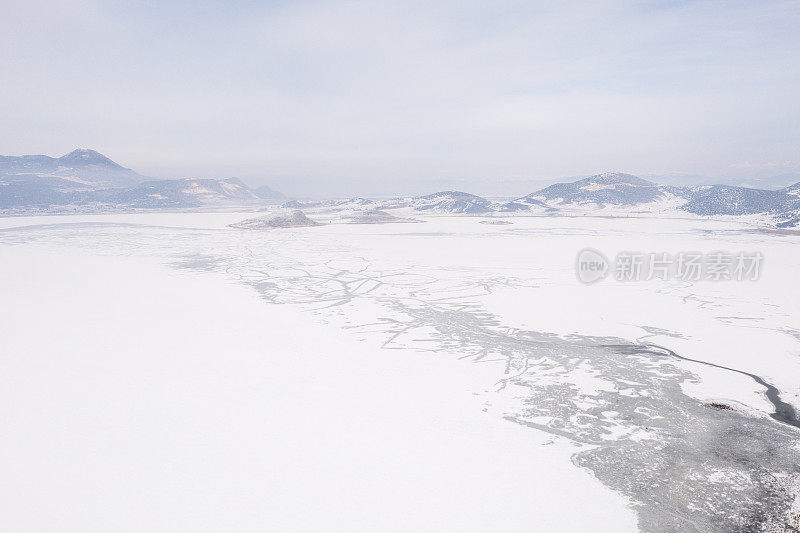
{"x": 168, "y": 372}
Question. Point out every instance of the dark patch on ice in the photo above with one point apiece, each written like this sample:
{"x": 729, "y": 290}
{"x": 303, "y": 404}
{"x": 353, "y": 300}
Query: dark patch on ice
{"x": 784, "y": 412}
{"x": 652, "y": 330}
{"x": 720, "y": 406}
{"x": 206, "y": 263}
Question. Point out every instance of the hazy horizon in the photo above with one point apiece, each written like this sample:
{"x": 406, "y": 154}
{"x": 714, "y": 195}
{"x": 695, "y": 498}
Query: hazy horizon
{"x": 498, "y": 187}
{"x": 400, "y": 96}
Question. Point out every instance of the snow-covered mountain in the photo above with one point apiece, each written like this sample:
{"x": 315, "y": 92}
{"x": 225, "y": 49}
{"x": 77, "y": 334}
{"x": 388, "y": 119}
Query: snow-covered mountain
{"x": 80, "y": 169}
{"x": 612, "y": 188}
{"x": 790, "y": 217}
{"x": 730, "y": 200}
{"x": 87, "y": 178}
{"x": 793, "y": 190}
{"x": 182, "y": 193}
{"x": 627, "y": 193}
{"x": 453, "y": 202}
{"x": 38, "y": 180}
{"x": 528, "y": 203}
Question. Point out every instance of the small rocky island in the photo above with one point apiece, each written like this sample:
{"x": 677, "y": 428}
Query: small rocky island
{"x": 376, "y": 216}
{"x": 295, "y": 219}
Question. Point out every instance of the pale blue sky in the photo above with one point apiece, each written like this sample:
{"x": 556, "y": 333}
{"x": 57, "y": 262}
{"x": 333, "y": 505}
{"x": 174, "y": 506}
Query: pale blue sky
{"x": 405, "y": 90}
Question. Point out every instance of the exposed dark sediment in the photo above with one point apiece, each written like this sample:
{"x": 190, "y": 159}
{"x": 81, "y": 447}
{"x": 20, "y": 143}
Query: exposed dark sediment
{"x": 784, "y": 413}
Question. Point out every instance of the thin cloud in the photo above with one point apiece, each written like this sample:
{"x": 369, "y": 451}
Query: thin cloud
{"x": 405, "y": 90}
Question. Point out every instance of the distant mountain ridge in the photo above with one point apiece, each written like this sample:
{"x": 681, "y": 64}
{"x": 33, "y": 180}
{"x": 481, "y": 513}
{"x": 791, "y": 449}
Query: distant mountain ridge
{"x": 769, "y": 182}
{"x": 81, "y": 168}
{"x": 181, "y": 193}
{"x": 619, "y": 191}
{"x": 730, "y": 200}
{"x": 455, "y": 202}
{"x": 612, "y": 193}
{"x": 613, "y": 188}
{"x": 86, "y": 177}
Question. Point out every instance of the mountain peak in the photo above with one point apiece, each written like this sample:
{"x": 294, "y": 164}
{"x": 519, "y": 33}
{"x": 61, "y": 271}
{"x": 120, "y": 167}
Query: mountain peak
{"x": 610, "y": 188}
{"x": 453, "y": 194}
{"x": 619, "y": 178}
{"x": 85, "y": 156}
{"x": 83, "y": 152}
{"x": 452, "y": 202}
{"x": 793, "y": 189}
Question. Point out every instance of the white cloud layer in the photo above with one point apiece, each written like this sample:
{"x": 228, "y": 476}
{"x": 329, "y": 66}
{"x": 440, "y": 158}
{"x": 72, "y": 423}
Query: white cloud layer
{"x": 405, "y": 90}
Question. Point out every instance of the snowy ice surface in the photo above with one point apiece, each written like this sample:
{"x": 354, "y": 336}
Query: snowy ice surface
{"x": 165, "y": 372}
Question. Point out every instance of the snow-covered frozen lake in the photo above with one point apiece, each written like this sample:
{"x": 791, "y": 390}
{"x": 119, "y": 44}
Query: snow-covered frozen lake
{"x": 167, "y": 372}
